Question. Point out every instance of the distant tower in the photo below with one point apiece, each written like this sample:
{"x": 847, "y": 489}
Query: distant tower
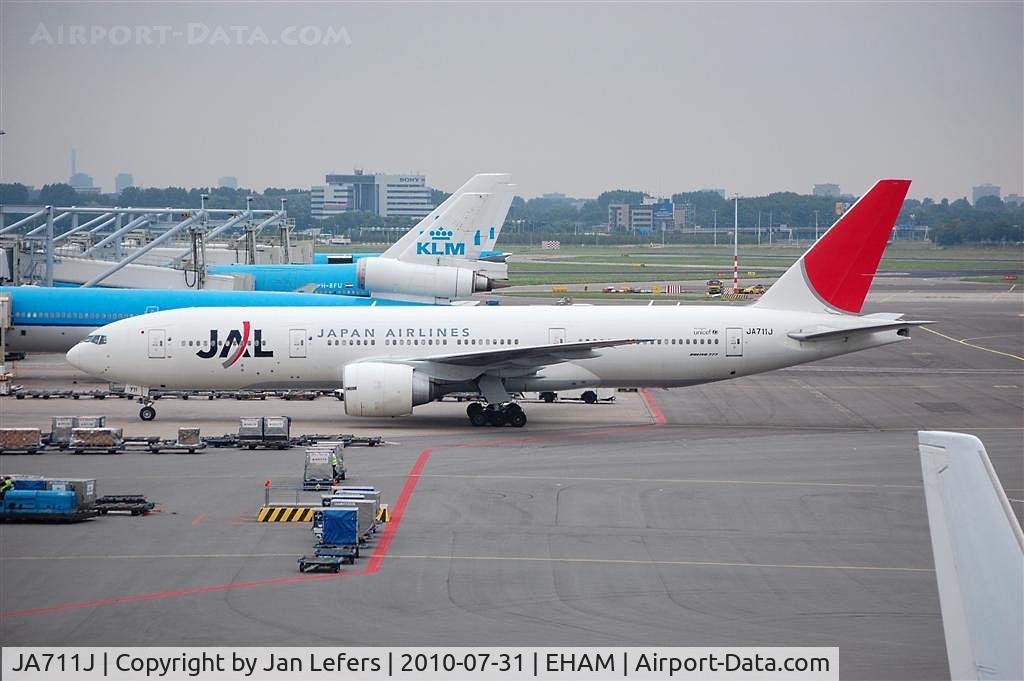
{"x": 123, "y": 181}
{"x": 74, "y": 160}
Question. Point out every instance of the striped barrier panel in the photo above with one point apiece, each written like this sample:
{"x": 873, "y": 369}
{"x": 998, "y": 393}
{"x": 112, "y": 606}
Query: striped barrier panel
{"x": 286, "y": 514}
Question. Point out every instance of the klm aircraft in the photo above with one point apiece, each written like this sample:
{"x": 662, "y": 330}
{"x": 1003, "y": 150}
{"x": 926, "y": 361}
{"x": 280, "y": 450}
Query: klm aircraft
{"x": 449, "y": 254}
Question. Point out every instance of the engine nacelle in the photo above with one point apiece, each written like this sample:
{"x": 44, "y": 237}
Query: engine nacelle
{"x": 385, "y": 275}
{"x": 381, "y": 389}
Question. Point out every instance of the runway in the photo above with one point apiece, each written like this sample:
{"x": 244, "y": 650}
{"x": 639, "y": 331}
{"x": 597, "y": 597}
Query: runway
{"x": 784, "y": 509}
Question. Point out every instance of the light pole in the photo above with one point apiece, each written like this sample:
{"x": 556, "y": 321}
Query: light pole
{"x": 715, "y": 212}
{"x": 736, "y": 245}
{"x": 815, "y": 225}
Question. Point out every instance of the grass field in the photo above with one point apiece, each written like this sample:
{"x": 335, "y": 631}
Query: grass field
{"x": 611, "y": 264}
{"x": 576, "y": 265}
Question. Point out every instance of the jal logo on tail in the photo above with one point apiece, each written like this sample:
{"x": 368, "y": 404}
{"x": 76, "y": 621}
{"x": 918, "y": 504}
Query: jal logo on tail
{"x": 235, "y": 346}
{"x": 441, "y": 244}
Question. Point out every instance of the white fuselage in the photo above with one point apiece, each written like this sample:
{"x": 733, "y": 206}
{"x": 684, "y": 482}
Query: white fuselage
{"x": 310, "y": 347}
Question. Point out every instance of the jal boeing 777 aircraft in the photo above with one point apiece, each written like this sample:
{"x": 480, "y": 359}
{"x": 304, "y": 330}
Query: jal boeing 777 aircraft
{"x": 389, "y": 360}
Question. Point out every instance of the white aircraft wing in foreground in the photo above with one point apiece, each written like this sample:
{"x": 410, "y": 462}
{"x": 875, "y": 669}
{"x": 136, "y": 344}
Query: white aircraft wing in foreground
{"x": 979, "y": 558}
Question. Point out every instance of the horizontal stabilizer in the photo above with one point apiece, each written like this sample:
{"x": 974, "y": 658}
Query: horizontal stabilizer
{"x": 821, "y": 332}
{"x": 979, "y": 557}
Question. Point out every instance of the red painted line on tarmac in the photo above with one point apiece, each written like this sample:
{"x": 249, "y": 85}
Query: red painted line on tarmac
{"x": 652, "y": 405}
{"x": 381, "y": 552}
{"x": 373, "y": 565}
{"x": 198, "y": 520}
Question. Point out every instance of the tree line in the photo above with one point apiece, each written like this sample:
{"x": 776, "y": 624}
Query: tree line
{"x": 950, "y": 223}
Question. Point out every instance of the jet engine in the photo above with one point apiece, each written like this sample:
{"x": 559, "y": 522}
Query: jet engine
{"x": 416, "y": 282}
{"x": 381, "y": 389}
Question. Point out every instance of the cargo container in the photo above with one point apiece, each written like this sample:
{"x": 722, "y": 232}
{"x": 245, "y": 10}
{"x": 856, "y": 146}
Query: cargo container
{"x": 340, "y": 527}
{"x": 366, "y": 507}
{"x": 30, "y": 483}
{"x": 189, "y": 437}
{"x": 318, "y": 472}
{"x": 83, "y": 488}
{"x": 250, "y": 428}
{"x": 277, "y": 427}
{"x": 28, "y": 440}
{"x": 93, "y": 439}
{"x": 60, "y": 429}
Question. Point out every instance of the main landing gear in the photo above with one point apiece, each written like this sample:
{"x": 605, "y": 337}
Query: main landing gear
{"x": 496, "y": 414}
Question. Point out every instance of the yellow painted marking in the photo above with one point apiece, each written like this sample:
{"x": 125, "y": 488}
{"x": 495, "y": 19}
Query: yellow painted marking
{"x": 971, "y": 345}
{"x": 665, "y": 563}
{"x": 1004, "y": 335}
{"x": 285, "y": 514}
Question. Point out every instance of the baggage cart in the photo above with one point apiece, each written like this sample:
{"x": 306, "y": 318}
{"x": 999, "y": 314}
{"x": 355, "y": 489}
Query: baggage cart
{"x": 25, "y": 505}
{"x": 337, "y": 532}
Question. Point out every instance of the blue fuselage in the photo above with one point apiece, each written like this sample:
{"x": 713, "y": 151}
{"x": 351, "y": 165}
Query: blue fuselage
{"x": 54, "y": 319}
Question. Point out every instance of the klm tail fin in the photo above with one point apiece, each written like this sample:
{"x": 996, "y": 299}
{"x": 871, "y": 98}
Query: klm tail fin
{"x": 461, "y": 225}
{"x": 836, "y": 272}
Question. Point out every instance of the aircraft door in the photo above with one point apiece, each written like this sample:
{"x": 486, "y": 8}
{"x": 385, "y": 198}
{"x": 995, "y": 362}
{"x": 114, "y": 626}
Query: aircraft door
{"x": 556, "y": 336}
{"x": 297, "y": 343}
{"x": 734, "y": 342}
{"x": 157, "y": 343}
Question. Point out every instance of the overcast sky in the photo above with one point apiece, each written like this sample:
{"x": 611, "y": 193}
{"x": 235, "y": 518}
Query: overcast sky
{"x": 577, "y": 98}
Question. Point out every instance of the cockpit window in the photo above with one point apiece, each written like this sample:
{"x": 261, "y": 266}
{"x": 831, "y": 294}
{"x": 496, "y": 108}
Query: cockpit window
{"x": 97, "y": 338}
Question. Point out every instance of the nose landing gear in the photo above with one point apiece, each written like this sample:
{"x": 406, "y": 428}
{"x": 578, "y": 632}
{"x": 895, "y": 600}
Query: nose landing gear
{"x": 496, "y": 414}
{"x": 148, "y": 412}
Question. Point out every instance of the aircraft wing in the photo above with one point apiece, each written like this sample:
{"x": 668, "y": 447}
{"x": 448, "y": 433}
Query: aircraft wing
{"x": 526, "y": 355}
{"x": 517, "y": 359}
{"x": 823, "y": 332}
{"x": 979, "y": 557}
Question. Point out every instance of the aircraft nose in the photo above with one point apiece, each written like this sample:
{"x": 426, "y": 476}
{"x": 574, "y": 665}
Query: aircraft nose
{"x": 74, "y": 356}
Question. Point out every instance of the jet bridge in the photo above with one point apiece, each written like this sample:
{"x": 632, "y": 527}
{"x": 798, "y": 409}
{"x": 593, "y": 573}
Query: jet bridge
{"x": 142, "y": 247}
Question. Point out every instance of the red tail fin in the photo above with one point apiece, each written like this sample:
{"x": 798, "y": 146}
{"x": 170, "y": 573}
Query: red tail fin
{"x": 839, "y": 268}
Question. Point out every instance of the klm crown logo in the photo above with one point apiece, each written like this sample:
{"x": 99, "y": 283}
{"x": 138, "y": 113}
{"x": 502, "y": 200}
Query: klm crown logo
{"x": 441, "y": 244}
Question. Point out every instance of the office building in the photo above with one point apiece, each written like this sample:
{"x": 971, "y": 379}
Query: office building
{"x": 825, "y": 189}
{"x": 983, "y": 190}
{"x": 618, "y": 216}
{"x": 228, "y": 181}
{"x": 405, "y": 196}
{"x": 327, "y": 200}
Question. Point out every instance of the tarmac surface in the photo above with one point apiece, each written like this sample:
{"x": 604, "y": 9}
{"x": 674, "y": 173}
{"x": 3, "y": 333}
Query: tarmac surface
{"x": 782, "y": 509}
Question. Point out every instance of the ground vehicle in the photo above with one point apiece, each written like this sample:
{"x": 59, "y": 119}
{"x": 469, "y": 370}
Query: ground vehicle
{"x": 756, "y": 289}
{"x": 588, "y": 395}
{"x": 714, "y": 287}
